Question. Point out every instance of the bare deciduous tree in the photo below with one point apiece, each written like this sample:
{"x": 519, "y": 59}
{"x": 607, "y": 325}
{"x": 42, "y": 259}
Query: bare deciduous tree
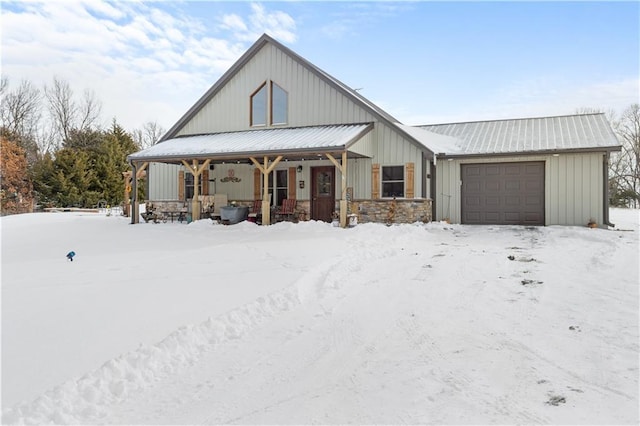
{"x": 89, "y": 110}
{"x": 20, "y": 109}
{"x": 625, "y": 165}
{"x": 62, "y": 108}
{"x": 149, "y": 135}
{"x": 4, "y": 85}
{"x": 20, "y": 116}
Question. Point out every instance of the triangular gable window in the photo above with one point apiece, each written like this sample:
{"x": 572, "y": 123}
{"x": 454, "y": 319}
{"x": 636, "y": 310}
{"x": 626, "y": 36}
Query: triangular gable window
{"x": 259, "y": 106}
{"x": 272, "y": 99}
{"x": 278, "y": 104}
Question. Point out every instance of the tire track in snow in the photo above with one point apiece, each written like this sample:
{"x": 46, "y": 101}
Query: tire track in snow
{"x": 321, "y": 284}
{"x": 338, "y": 345}
{"x": 89, "y": 398}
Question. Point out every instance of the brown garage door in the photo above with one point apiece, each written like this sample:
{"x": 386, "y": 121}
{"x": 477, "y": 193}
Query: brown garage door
{"x": 503, "y": 193}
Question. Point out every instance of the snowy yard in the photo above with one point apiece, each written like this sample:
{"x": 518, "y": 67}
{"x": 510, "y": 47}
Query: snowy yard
{"x": 306, "y": 323}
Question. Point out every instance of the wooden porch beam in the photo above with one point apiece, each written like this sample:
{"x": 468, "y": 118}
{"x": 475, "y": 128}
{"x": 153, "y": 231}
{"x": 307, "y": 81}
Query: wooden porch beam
{"x": 257, "y": 164}
{"x": 141, "y": 171}
{"x": 335, "y": 162}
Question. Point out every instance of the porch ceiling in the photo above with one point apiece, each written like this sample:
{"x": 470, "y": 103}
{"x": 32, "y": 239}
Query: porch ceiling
{"x": 292, "y": 143}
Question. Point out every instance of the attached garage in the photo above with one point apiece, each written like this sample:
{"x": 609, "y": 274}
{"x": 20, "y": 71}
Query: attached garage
{"x": 503, "y": 193}
{"x": 529, "y": 171}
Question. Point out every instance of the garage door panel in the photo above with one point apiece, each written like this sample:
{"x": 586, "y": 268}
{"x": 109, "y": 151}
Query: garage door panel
{"x": 490, "y": 201}
{"x": 533, "y": 200}
{"x": 472, "y": 201}
{"x": 512, "y": 170}
{"x": 532, "y": 218}
{"x": 492, "y": 186}
{"x": 512, "y": 185}
{"x": 474, "y": 185}
{"x": 474, "y": 217}
{"x": 473, "y": 171}
{"x": 491, "y": 216}
{"x": 512, "y": 218}
{"x": 503, "y": 193}
{"x": 491, "y": 171}
{"x": 512, "y": 200}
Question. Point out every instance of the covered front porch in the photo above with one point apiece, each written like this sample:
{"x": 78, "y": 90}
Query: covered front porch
{"x": 307, "y": 164}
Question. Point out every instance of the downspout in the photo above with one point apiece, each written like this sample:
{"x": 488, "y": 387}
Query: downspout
{"x": 605, "y": 192}
{"x": 434, "y": 189}
{"x": 134, "y": 193}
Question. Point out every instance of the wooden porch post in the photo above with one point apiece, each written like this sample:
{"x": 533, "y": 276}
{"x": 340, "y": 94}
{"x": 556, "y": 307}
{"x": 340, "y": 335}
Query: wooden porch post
{"x": 265, "y": 168}
{"x": 131, "y": 186}
{"x": 136, "y": 203}
{"x": 343, "y": 196}
{"x": 127, "y": 192}
{"x": 196, "y": 170}
{"x": 266, "y": 207}
{"x": 134, "y": 190}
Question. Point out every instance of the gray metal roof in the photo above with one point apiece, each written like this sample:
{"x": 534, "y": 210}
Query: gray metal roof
{"x": 435, "y": 142}
{"x": 528, "y": 135}
{"x": 299, "y": 140}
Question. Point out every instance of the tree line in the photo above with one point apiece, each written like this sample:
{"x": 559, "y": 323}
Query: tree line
{"x": 55, "y": 152}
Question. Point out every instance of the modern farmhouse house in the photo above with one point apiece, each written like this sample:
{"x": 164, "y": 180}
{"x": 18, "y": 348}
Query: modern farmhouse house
{"x": 275, "y": 127}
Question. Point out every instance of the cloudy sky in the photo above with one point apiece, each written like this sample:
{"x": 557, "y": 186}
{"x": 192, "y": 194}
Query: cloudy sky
{"x": 423, "y": 62}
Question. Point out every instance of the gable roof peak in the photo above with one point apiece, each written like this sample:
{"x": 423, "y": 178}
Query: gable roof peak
{"x": 263, "y": 40}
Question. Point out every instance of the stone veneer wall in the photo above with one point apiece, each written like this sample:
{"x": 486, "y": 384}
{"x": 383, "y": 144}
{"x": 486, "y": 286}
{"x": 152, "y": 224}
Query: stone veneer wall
{"x": 380, "y": 211}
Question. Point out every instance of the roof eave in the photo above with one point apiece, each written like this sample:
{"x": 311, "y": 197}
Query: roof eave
{"x": 299, "y": 153}
{"x": 443, "y": 155}
{"x": 416, "y": 142}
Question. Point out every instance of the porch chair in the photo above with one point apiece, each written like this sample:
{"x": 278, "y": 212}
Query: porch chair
{"x": 256, "y": 210}
{"x": 287, "y": 210}
{"x": 219, "y": 200}
{"x": 206, "y": 203}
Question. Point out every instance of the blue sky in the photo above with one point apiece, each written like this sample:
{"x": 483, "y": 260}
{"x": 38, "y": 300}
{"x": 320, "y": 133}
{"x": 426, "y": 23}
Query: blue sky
{"x": 423, "y": 62}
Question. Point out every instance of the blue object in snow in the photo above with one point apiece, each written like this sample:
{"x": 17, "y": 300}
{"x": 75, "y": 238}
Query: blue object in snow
{"x": 70, "y": 255}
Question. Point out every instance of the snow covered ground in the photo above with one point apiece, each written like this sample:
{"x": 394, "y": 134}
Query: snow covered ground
{"x": 306, "y": 323}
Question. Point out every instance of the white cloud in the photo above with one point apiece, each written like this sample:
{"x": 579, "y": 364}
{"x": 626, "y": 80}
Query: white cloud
{"x": 104, "y": 8}
{"x": 277, "y": 24}
{"x": 233, "y": 22}
{"x": 136, "y": 56}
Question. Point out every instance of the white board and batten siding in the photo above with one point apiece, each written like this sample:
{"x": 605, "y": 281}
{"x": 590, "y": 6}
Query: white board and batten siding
{"x": 573, "y": 187}
{"x": 311, "y": 101}
{"x": 163, "y": 181}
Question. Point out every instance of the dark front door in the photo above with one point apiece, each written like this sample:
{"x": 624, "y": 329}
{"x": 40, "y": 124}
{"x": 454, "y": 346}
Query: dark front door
{"x": 503, "y": 193}
{"x": 323, "y": 196}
